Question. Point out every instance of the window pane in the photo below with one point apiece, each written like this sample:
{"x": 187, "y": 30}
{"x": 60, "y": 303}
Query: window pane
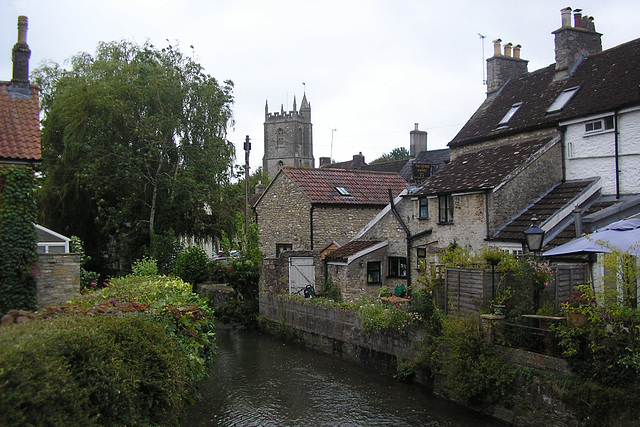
{"x": 424, "y": 208}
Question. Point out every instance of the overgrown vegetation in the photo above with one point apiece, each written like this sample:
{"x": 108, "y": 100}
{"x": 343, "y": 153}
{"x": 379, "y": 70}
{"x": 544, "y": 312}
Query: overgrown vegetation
{"x": 17, "y": 239}
{"x": 129, "y": 354}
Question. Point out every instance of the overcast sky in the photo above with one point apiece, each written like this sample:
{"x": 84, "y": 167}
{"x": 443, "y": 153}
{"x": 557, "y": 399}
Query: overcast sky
{"x": 370, "y": 68}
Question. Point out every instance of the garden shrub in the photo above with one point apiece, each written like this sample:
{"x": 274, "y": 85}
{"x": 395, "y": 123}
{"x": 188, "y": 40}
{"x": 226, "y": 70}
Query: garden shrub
{"x": 145, "y": 266}
{"x": 82, "y": 370}
{"x": 382, "y": 317}
{"x": 242, "y": 274}
{"x": 473, "y": 370}
{"x": 192, "y": 265}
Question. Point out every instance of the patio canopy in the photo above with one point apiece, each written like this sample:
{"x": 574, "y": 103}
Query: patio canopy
{"x": 623, "y": 235}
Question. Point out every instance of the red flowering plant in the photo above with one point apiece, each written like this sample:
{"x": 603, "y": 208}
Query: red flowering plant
{"x": 582, "y": 301}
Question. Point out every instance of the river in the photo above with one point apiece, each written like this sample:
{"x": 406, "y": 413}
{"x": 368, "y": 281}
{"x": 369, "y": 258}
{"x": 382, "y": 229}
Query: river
{"x": 259, "y": 380}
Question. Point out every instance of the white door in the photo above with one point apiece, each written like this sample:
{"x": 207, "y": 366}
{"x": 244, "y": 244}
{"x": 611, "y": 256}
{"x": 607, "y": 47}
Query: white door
{"x": 301, "y": 274}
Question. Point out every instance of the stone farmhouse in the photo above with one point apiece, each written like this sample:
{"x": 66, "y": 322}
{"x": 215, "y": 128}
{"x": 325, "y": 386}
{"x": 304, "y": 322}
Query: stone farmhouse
{"x": 561, "y": 143}
{"x": 315, "y": 210}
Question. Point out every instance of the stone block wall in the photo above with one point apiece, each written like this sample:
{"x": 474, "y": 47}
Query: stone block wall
{"x": 58, "y": 278}
{"x": 339, "y": 223}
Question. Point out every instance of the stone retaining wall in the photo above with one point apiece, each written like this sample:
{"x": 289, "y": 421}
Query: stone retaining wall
{"x": 58, "y": 278}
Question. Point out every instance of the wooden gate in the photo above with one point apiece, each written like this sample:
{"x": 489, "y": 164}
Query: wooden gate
{"x": 301, "y": 274}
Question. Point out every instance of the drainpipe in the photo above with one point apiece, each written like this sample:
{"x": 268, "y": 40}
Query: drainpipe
{"x": 617, "y": 154}
{"x": 311, "y": 226}
{"x": 486, "y": 208}
{"x": 408, "y": 233}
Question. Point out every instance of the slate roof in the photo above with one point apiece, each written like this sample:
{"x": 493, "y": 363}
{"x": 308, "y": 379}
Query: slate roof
{"x": 351, "y": 248}
{"x": 19, "y": 125}
{"x": 366, "y": 188}
{"x": 436, "y": 158}
{"x": 483, "y": 169}
{"x": 608, "y": 80}
{"x": 544, "y": 208}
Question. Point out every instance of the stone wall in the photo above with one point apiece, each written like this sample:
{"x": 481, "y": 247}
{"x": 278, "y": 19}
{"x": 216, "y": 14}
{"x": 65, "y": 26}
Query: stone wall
{"x": 58, "y": 278}
{"x": 339, "y": 223}
{"x": 274, "y": 275}
{"x": 338, "y": 331}
{"x": 283, "y": 217}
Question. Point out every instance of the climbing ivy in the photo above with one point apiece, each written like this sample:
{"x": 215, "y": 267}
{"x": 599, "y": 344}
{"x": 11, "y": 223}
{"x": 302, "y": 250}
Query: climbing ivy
{"x": 17, "y": 239}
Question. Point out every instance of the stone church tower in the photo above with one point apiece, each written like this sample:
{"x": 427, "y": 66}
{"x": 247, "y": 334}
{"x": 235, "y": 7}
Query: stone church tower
{"x": 288, "y": 138}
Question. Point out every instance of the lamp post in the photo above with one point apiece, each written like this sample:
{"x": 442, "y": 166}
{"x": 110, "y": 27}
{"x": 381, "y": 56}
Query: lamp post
{"x": 534, "y": 237}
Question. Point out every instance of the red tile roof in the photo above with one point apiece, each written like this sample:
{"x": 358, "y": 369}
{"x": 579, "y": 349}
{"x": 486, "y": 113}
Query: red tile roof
{"x": 19, "y": 125}
{"x": 366, "y": 188}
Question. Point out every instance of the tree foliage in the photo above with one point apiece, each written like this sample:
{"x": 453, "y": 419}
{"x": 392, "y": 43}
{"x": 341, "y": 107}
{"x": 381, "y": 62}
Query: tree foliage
{"x": 399, "y": 153}
{"x": 134, "y": 146}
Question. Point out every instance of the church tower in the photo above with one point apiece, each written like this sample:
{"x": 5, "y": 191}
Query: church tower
{"x": 288, "y": 138}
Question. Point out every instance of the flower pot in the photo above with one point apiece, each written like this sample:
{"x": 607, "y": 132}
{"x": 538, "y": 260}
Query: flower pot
{"x": 578, "y": 320}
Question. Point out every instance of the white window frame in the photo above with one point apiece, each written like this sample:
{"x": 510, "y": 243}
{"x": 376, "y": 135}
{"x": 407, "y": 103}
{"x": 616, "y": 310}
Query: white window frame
{"x": 602, "y": 123}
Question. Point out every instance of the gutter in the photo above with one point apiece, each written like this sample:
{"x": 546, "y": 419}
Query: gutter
{"x": 311, "y": 226}
{"x": 617, "y": 154}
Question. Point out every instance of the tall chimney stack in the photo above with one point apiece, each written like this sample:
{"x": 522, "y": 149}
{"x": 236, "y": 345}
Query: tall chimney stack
{"x": 417, "y": 141}
{"x": 20, "y": 56}
{"x": 574, "y": 43}
{"x": 501, "y": 68}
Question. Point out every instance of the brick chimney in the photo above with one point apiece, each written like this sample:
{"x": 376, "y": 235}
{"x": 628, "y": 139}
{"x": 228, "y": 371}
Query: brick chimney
{"x": 574, "y": 43}
{"x": 324, "y": 161}
{"x": 358, "y": 161}
{"x": 417, "y": 141}
{"x": 20, "y": 56}
{"x": 503, "y": 67}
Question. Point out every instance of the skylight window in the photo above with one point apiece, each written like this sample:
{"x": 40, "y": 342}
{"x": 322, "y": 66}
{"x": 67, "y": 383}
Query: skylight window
{"x": 510, "y": 114}
{"x": 344, "y": 192}
{"x": 562, "y": 99}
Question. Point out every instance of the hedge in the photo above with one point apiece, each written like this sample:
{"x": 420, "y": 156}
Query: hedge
{"x": 130, "y": 354}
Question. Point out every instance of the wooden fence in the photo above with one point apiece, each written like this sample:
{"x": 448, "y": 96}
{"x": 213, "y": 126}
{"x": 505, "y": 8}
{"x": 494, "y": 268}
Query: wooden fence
{"x": 465, "y": 289}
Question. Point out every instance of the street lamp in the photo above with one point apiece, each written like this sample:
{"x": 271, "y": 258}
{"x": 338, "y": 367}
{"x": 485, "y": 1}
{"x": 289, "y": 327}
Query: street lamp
{"x": 534, "y": 236}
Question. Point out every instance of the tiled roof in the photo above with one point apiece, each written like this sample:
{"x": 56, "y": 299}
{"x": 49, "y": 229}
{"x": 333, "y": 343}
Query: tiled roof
{"x": 569, "y": 233}
{"x": 608, "y": 80}
{"x": 351, "y": 248}
{"x": 19, "y": 124}
{"x": 393, "y": 166}
{"x": 366, "y": 188}
{"x": 482, "y": 169}
{"x": 544, "y": 208}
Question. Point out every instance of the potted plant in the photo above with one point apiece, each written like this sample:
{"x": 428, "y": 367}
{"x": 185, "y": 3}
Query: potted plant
{"x": 578, "y": 306}
{"x": 498, "y": 303}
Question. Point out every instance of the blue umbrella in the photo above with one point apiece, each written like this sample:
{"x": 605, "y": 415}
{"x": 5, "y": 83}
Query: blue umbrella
{"x": 622, "y": 235}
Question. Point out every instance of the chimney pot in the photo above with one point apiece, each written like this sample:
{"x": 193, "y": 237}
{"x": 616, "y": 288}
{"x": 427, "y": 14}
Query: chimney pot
{"x": 516, "y": 51}
{"x": 577, "y": 19}
{"x": 415, "y": 126}
{"x": 507, "y": 49}
{"x": 566, "y": 17}
{"x": 20, "y": 56}
{"x": 496, "y": 47}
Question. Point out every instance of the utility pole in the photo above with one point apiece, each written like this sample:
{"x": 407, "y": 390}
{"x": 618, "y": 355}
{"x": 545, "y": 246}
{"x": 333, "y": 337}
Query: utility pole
{"x": 247, "y": 149}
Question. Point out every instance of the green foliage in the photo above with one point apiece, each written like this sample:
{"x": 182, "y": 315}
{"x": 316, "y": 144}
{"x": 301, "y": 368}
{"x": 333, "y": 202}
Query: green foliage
{"x": 242, "y": 274}
{"x": 382, "y": 317}
{"x": 134, "y": 146}
{"x": 473, "y": 371}
{"x": 106, "y": 370}
{"x": 399, "y": 153}
{"x": 332, "y": 291}
{"x": 17, "y": 239}
{"x": 145, "y": 267}
{"x": 192, "y": 265}
{"x": 88, "y": 279}
{"x": 165, "y": 249}
{"x": 455, "y": 255}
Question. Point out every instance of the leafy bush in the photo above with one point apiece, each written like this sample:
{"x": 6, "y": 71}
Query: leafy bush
{"x": 332, "y": 291}
{"x": 192, "y": 265}
{"x": 473, "y": 371}
{"x": 108, "y": 370}
{"x": 381, "y": 317}
{"x": 145, "y": 267}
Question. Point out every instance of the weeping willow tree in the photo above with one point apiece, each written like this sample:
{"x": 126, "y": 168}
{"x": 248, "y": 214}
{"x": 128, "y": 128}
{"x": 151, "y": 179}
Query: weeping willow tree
{"x": 134, "y": 146}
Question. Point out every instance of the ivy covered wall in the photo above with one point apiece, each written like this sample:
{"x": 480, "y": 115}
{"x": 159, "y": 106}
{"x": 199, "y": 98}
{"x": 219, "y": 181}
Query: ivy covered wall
{"x": 17, "y": 239}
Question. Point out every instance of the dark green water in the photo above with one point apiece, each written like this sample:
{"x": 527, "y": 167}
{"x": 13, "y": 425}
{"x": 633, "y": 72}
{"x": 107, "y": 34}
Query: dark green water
{"x": 259, "y": 380}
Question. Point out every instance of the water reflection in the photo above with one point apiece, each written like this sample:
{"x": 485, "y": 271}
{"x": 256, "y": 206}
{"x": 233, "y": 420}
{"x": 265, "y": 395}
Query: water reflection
{"x": 261, "y": 381}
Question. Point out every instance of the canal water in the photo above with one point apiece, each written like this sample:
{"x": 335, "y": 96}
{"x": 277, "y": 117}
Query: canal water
{"x": 259, "y": 380}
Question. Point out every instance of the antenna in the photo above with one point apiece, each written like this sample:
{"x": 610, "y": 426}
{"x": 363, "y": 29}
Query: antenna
{"x": 484, "y": 79}
{"x": 331, "y": 152}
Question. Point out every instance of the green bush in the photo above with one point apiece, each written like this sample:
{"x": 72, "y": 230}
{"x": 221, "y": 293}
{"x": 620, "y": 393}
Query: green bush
{"x": 473, "y": 371}
{"x": 192, "y": 265}
{"x": 381, "y": 317}
{"x": 145, "y": 266}
{"x": 81, "y": 370}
